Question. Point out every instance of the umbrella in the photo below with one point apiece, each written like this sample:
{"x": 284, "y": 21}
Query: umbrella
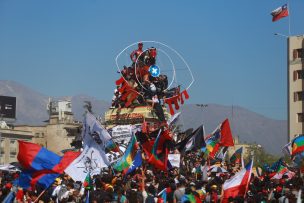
{"x": 218, "y": 169}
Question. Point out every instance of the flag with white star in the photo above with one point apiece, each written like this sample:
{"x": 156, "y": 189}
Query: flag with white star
{"x": 135, "y": 163}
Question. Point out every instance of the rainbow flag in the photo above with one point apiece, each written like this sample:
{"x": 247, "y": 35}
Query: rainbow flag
{"x": 127, "y": 159}
{"x": 237, "y": 156}
{"x": 212, "y": 144}
{"x": 297, "y": 145}
{"x": 221, "y": 137}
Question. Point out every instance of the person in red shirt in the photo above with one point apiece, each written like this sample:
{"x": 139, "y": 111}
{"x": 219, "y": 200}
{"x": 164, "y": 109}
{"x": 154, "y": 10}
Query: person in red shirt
{"x": 136, "y": 53}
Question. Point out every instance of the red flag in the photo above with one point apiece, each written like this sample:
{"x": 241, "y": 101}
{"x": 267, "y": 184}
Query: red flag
{"x": 215, "y": 150}
{"x": 279, "y": 13}
{"x": 226, "y": 135}
{"x": 144, "y": 127}
{"x": 66, "y": 160}
{"x": 164, "y": 136}
{"x": 154, "y": 159}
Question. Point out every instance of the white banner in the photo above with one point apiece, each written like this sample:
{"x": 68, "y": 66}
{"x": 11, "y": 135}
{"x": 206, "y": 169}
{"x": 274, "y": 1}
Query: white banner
{"x": 92, "y": 128}
{"x": 121, "y": 134}
{"x": 91, "y": 160}
{"x": 174, "y": 160}
{"x": 114, "y": 156}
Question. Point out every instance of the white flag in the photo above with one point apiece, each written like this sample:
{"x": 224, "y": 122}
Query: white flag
{"x": 92, "y": 128}
{"x": 173, "y": 119}
{"x": 174, "y": 160}
{"x": 91, "y": 160}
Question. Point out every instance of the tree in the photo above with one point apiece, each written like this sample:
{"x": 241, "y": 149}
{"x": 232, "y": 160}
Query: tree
{"x": 261, "y": 156}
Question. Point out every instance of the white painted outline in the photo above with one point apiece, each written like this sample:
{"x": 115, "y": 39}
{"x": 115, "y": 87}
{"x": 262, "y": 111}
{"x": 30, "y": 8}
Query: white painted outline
{"x": 191, "y": 74}
{"x": 173, "y": 67}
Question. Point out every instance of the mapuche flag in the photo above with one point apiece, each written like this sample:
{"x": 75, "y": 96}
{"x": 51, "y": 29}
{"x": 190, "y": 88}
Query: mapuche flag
{"x": 221, "y": 137}
{"x": 297, "y": 145}
{"x": 127, "y": 159}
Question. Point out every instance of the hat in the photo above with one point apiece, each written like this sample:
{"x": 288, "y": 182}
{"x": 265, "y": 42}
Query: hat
{"x": 8, "y": 185}
{"x": 58, "y": 181}
{"x": 279, "y": 189}
{"x": 109, "y": 188}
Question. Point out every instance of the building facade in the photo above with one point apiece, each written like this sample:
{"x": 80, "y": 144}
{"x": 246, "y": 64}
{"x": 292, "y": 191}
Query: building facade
{"x": 9, "y": 143}
{"x": 60, "y": 130}
{"x": 295, "y": 63}
{"x": 56, "y": 135}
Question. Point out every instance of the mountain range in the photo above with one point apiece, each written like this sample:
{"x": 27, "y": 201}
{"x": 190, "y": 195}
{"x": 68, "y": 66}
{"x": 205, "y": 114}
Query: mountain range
{"x": 248, "y": 126}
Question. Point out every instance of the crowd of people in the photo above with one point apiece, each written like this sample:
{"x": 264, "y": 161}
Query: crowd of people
{"x": 193, "y": 180}
{"x": 188, "y": 183}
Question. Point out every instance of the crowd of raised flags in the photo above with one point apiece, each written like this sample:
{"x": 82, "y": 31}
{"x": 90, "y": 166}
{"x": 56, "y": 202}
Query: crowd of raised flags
{"x": 41, "y": 167}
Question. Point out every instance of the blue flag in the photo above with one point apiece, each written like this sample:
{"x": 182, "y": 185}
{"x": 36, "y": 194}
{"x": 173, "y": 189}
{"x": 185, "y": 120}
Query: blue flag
{"x": 135, "y": 163}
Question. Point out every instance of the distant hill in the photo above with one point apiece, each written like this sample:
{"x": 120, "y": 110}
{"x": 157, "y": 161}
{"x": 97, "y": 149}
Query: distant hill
{"x": 31, "y": 105}
{"x": 250, "y": 127}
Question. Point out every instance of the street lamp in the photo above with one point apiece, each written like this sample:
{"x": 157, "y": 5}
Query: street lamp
{"x": 202, "y": 105}
{"x": 282, "y": 35}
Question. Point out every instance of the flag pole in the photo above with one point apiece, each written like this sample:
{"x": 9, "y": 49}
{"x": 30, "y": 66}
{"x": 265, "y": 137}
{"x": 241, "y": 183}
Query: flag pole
{"x": 288, "y": 7}
{"x": 37, "y": 199}
{"x": 247, "y": 185}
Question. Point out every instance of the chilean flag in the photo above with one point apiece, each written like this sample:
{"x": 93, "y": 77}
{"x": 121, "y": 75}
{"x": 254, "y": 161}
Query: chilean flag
{"x": 237, "y": 185}
{"x": 279, "y": 13}
{"x": 41, "y": 166}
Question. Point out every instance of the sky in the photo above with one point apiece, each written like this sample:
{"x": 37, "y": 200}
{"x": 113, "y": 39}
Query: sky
{"x": 66, "y": 48}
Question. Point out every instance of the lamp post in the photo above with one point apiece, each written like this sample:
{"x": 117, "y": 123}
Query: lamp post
{"x": 288, "y": 104}
{"x": 282, "y": 35}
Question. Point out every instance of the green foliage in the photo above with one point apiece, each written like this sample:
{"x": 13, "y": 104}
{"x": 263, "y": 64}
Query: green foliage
{"x": 260, "y": 156}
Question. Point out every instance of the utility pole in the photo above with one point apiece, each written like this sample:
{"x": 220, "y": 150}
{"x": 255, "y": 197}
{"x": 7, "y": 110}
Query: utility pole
{"x": 202, "y": 107}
